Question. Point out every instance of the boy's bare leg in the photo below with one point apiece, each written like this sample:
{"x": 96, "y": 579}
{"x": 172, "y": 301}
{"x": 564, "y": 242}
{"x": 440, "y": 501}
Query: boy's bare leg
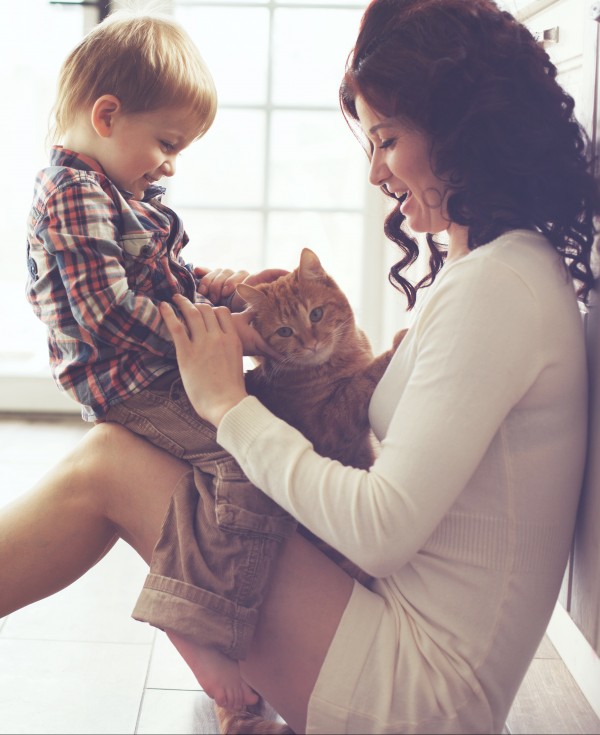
{"x": 219, "y": 676}
{"x": 295, "y": 629}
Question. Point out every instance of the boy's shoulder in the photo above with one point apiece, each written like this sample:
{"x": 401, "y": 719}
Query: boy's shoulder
{"x": 66, "y": 180}
{"x": 60, "y": 176}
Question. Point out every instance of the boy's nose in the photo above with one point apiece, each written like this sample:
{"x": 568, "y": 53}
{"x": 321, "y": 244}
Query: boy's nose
{"x": 168, "y": 167}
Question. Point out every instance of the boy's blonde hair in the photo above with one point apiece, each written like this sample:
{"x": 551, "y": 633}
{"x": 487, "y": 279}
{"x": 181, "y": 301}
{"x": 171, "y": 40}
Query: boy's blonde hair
{"x": 147, "y": 61}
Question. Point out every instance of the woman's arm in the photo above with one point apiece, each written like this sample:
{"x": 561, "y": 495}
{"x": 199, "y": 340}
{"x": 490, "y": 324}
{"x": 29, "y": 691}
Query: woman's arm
{"x": 476, "y": 356}
{"x": 207, "y": 343}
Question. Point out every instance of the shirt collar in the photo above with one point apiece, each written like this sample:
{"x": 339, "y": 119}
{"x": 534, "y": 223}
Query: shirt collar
{"x": 60, "y": 156}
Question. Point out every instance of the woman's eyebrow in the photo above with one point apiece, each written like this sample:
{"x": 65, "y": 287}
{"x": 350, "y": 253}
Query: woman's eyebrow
{"x": 384, "y": 124}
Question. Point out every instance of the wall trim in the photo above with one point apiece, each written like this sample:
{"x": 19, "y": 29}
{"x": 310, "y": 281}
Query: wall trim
{"x": 579, "y": 657}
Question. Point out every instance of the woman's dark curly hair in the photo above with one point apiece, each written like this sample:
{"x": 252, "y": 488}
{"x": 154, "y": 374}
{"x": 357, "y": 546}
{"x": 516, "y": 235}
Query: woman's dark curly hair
{"x": 484, "y": 91}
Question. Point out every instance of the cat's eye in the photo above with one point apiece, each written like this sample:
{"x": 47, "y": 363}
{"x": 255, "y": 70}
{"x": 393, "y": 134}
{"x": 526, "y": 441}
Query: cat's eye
{"x": 316, "y": 314}
{"x": 284, "y": 332}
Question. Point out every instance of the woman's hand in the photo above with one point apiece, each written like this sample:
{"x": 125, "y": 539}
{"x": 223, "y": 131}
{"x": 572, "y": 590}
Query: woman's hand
{"x": 209, "y": 354}
{"x": 252, "y": 343}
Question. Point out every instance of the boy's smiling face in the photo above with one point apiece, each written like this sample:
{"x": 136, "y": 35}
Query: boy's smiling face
{"x": 137, "y": 149}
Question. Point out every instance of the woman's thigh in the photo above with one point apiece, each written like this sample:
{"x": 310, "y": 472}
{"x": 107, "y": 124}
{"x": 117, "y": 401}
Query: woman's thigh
{"x": 307, "y": 593}
{"x": 306, "y": 599}
{"x": 136, "y": 482}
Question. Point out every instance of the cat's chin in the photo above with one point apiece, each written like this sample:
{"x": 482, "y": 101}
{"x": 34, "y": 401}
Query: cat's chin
{"x": 312, "y": 359}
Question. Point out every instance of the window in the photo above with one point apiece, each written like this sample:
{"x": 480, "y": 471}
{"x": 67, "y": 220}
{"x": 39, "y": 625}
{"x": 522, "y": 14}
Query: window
{"x": 35, "y": 37}
{"x": 278, "y": 171}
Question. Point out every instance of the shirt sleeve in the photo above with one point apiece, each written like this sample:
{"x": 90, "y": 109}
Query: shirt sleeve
{"x": 476, "y": 355}
{"x": 79, "y": 230}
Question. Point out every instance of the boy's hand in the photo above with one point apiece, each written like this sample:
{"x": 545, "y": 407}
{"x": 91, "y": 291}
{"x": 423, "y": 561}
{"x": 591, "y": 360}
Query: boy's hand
{"x": 220, "y": 284}
{"x": 217, "y": 285}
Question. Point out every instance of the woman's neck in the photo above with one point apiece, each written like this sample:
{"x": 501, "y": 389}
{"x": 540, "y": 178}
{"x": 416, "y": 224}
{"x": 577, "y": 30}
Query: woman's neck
{"x": 458, "y": 241}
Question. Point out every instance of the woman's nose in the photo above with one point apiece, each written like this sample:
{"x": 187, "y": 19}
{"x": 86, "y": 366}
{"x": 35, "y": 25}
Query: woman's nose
{"x": 378, "y": 172}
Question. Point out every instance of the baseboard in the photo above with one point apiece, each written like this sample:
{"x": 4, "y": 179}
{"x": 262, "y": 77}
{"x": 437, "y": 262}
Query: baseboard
{"x": 579, "y": 657}
{"x": 30, "y": 393}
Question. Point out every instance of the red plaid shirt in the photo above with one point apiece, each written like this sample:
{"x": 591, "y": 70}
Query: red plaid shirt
{"x": 99, "y": 263}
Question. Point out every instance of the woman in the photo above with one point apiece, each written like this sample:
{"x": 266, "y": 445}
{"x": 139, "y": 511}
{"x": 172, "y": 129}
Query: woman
{"x": 466, "y": 517}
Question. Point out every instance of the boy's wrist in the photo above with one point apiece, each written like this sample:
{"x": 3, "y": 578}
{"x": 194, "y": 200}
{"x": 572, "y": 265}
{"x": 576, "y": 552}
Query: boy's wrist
{"x": 228, "y": 301}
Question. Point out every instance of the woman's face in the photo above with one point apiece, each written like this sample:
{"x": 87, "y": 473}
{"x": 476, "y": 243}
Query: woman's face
{"x": 401, "y": 161}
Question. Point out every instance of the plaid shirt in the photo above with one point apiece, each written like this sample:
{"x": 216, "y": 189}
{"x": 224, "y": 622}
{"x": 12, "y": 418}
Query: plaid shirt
{"x": 99, "y": 262}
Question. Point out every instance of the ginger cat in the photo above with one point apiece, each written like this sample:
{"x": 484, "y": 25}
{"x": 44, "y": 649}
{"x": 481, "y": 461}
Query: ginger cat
{"x": 322, "y": 386}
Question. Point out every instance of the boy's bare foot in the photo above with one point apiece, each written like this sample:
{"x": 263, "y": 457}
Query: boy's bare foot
{"x": 217, "y": 674}
{"x": 221, "y": 679}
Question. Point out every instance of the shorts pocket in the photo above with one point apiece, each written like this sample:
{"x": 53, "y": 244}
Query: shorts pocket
{"x": 243, "y": 508}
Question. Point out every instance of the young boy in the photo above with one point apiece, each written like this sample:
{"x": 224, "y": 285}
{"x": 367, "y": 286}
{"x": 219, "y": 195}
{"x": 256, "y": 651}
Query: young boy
{"x": 103, "y": 252}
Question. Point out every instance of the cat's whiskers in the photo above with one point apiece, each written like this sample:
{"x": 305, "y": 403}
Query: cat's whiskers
{"x": 276, "y": 367}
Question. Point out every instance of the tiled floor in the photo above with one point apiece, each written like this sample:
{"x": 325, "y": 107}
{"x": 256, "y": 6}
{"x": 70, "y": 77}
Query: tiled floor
{"x": 77, "y": 663}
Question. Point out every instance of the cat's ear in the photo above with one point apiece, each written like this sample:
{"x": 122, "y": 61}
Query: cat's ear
{"x": 310, "y": 265}
{"x": 252, "y": 296}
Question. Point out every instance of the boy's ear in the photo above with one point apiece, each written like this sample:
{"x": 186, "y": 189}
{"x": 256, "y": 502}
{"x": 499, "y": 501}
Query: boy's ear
{"x": 104, "y": 113}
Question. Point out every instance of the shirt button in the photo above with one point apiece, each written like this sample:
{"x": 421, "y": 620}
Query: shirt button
{"x": 146, "y": 250}
{"x": 32, "y": 266}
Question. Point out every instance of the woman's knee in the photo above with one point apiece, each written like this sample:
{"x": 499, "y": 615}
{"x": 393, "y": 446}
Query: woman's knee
{"x": 94, "y": 465}
{"x": 130, "y": 476}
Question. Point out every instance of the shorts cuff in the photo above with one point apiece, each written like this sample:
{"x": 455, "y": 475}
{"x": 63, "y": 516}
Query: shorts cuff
{"x": 206, "y": 618}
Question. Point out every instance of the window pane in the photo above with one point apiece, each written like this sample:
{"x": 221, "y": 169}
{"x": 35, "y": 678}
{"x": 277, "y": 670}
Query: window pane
{"x": 335, "y": 238}
{"x": 223, "y": 239}
{"x": 224, "y": 2}
{"x": 310, "y": 47}
{"x": 315, "y": 161}
{"x": 35, "y": 38}
{"x": 234, "y": 42}
{"x": 356, "y": 3}
{"x": 226, "y": 166}
{"x": 29, "y": 83}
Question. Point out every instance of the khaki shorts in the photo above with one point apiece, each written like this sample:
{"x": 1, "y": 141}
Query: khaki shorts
{"x": 212, "y": 561}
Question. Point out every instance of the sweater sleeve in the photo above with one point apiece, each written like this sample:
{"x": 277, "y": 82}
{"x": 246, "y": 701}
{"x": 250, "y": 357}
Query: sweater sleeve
{"x": 476, "y": 352}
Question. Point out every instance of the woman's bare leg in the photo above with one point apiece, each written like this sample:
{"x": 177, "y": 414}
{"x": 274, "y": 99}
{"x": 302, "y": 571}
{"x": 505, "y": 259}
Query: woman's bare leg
{"x": 296, "y": 626}
{"x": 68, "y": 521}
{"x": 297, "y": 622}
{"x": 112, "y": 485}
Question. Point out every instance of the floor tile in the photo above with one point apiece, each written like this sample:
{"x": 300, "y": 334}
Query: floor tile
{"x": 167, "y": 669}
{"x": 97, "y": 607}
{"x": 173, "y": 712}
{"x": 70, "y": 687}
{"x": 549, "y": 701}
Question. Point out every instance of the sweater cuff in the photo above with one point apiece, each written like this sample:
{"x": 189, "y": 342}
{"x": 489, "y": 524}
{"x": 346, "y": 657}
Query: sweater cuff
{"x": 242, "y": 425}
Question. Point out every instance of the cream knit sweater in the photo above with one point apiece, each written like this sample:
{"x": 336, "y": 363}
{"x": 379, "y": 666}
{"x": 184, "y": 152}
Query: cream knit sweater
{"x": 467, "y": 515}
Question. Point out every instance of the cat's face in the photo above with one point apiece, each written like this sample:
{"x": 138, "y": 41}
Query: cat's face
{"x": 303, "y": 315}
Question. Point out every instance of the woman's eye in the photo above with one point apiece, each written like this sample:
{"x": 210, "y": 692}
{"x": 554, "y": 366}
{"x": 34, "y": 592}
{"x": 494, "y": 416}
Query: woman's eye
{"x": 168, "y": 147}
{"x": 284, "y": 332}
{"x": 387, "y": 143}
{"x": 316, "y": 314}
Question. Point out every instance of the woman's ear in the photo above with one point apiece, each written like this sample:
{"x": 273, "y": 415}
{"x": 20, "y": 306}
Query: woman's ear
{"x": 104, "y": 112}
